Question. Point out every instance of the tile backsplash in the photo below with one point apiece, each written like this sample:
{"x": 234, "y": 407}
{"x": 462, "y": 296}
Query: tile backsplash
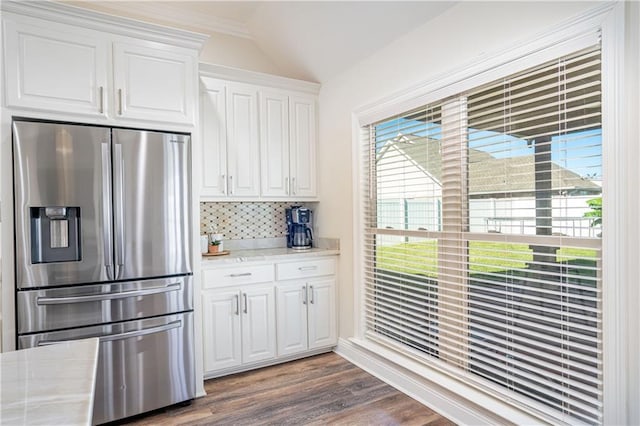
{"x": 245, "y": 220}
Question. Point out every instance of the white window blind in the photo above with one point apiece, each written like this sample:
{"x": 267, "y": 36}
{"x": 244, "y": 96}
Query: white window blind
{"x": 482, "y": 236}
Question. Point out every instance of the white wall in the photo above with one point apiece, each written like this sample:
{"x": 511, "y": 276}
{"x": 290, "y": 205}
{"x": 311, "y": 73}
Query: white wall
{"x": 467, "y": 31}
{"x": 236, "y": 52}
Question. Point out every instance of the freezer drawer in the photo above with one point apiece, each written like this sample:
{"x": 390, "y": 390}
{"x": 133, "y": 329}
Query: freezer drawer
{"x": 78, "y": 306}
{"x": 142, "y": 365}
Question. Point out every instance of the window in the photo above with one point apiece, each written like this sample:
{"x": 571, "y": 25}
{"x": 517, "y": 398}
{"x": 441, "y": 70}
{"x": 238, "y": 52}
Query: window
{"x": 483, "y": 236}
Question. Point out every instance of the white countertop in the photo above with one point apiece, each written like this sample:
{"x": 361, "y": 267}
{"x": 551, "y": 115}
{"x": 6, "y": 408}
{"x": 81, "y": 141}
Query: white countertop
{"x": 49, "y": 384}
{"x": 268, "y": 254}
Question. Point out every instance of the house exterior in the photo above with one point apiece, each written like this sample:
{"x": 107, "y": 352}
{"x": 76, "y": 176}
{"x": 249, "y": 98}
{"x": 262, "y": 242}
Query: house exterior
{"x": 502, "y": 193}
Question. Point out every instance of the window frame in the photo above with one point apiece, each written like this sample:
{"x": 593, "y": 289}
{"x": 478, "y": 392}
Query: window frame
{"x": 607, "y": 23}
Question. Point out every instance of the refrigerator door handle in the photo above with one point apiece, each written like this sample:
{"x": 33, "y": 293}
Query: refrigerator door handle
{"x": 107, "y": 296}
{"x": 122, "y": 336}
{"x": 118, "y": 182}
{"x": 107, "y": 231}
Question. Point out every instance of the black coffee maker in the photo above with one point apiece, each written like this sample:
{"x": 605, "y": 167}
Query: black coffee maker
{"x": 299, "y": 235}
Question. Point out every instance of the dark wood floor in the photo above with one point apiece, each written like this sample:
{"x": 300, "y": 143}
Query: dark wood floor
{"x": 320, "y": 390}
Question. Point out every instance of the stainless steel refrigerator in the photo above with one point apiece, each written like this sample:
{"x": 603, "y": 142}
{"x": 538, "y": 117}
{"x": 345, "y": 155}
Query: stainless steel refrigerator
{"x": 102, "y": 248}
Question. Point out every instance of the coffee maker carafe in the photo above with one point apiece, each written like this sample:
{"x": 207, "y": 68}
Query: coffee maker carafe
{"x": 299, "y": 235}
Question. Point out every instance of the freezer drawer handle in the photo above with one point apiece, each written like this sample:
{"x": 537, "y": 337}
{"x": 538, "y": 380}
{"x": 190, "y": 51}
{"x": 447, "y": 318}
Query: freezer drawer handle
{"x": 122, "y": 336}
{"x": 107, "y": 296}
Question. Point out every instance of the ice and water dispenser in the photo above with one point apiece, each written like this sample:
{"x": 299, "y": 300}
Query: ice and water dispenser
{"x": 55, "y": 234}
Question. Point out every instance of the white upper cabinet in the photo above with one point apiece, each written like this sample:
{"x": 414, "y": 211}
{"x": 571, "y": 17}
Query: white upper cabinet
{"x": 213, "y": 157}
{"x": 153, "y": 84}
{"x": 269, "y": 126}
{"x": 243, "y": 149}
{"x": 57, "y": 68}
{"x": 302, "y": 124}
{"x": 288, "y": 144}
{"x": 67, "y": 62}
{"x": 230, "y": 160}
{"x": 274, "y": 144}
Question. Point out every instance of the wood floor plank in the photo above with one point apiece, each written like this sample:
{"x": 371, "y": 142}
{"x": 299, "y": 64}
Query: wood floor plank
{"x": 320, "y": 390}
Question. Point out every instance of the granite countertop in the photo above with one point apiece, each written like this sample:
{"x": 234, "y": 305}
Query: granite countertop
{"x": 49, "y": 385}
{"x": 268, "y": 254}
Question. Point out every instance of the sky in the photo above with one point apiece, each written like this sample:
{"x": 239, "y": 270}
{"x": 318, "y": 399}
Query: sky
{"x": 580, "y": 151}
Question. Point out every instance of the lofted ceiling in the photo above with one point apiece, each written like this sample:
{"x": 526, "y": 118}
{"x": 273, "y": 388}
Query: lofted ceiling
{"x": 311, "y": 40}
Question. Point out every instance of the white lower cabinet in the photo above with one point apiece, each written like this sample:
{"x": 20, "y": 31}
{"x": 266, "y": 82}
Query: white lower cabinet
{"x": 222, "y": 333}
{"x": 239, "y": 326}
{"x": 239, "y": 321}
{"x": 305, "y": 303}
{"x": 259, "y": 314}
{"x": 305, "y": 315}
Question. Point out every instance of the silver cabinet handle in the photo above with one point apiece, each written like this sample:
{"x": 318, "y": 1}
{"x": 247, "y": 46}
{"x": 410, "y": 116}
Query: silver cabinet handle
{"x": 237, "y": 304}
{"x": 246, "y": 305}
{"x": 286, "y": 185}
{"x": 311, "y": 293}
{"x": 307, "y": 268}
{"x": 101, "y": 93}
{"x": 293, "y": 186}
{"x": 230, "y": 185}
{"x": 245, "y": 274}
{"x": 304, "y": 295}
{"x": 119, "y": 101}
{"x": 107, "y": 296}
{"x": 121, "y": 336}
{"x": 119, "y": 208}
{"x": 107, "y": 231}
{"x": 224, "y": 185}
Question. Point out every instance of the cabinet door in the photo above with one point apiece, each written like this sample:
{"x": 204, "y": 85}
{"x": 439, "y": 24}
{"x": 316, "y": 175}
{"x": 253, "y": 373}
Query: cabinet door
{"x": 291, "y": 302}
{"x": 221, "y": 329}
{"x": 213, "y": 141}
{"x": 258, "y": 324}
{"x": 322, "y": 313}
{"x": 153, "y": 84}
{"x": 59, "y": 68}
{"x": 302, "y": 122}
{"x": 242, "y": 141}
{"x": 274, "y": 144}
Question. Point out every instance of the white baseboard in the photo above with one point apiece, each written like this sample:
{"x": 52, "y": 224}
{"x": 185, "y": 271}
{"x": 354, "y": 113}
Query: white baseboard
{"x": 434, "y": 396}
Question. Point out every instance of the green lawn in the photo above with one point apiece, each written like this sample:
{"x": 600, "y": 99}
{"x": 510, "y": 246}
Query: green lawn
{"x": 421, "y": 257}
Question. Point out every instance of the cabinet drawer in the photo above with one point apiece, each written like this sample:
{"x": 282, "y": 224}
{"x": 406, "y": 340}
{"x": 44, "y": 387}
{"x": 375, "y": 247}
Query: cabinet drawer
{"x": 309, "y": 268}
{"x": 222, "y": 277}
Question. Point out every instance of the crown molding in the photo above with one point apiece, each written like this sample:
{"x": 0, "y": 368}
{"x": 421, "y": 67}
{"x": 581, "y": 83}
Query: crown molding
{"x": 177, "y": 16}
{"x": 252, "y": 77}
{"x": 80, "y": 17}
